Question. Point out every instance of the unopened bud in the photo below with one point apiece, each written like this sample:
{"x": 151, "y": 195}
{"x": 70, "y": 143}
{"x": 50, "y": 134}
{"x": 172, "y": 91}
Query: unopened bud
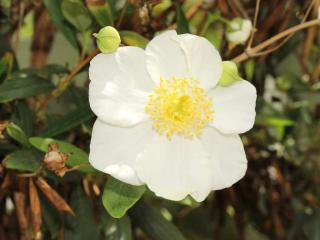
{"x": 108, "y": 39}
{"x": 239, "y": 30}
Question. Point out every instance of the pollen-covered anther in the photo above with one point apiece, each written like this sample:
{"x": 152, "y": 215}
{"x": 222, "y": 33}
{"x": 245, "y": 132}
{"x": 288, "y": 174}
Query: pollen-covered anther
{"x": 179, "y": 106}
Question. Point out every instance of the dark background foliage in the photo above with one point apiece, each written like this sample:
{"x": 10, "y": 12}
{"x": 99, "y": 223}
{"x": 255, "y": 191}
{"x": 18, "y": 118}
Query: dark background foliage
{"x": 45, "y": 47}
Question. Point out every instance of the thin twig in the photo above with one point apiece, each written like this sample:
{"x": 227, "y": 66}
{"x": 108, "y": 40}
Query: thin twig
{"x": 284, "y": 40}
{"x": 123, "y": 12}
{"x": 254, "y": 29}
{"x": 66, "y": 81}
{"x": 252, "y": 52}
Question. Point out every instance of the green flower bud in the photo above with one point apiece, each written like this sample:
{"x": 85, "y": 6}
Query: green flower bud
{"x": 108, "y": 39}
{"x": 230, "y": 74}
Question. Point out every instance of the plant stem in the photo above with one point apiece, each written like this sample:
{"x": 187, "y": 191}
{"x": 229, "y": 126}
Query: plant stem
{"x": 252, "y": 52}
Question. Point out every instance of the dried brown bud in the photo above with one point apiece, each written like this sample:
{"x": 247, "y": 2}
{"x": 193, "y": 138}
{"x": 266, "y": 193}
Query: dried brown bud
{"x": 144, "y": 14}
{"x": 3, "y": 126}
{"x": 56, "y": 160}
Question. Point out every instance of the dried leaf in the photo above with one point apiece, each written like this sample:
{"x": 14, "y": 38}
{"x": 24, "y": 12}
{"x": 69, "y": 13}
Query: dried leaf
{"x": 53, "y": 196}
{"x": 19, "y": 199}
{"x": 3, "y": 126}
{"x": 56, "y": 160}
{"x": 35, "y": 210}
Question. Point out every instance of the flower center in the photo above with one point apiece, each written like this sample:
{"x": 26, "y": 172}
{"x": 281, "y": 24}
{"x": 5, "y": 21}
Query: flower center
{"x": 179, "y": 106}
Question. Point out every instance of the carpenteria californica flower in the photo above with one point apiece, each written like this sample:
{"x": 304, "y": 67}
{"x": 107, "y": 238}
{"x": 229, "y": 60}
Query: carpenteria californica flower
{"x": 238, "y": 30}
{"x": 163, "y": 121}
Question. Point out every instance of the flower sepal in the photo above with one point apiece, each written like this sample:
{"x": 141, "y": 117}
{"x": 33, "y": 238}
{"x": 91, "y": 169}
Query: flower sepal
{"x": 230, "y": 74}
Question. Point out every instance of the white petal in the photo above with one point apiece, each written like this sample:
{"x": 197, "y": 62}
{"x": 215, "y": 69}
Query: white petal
{"x": 234, "y": 107}
{"x": 203, "y": 59}
{"x": 228, "y": 158}
{"x": 119, "y": 81}
{"x": 175, "y": 168}
{"x": 165, "y": 57}
{"x": 114, "y": 150}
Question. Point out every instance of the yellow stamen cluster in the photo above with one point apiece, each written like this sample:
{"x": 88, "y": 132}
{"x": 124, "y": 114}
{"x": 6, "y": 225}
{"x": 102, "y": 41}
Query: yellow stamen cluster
{"x": 179, "y": 106}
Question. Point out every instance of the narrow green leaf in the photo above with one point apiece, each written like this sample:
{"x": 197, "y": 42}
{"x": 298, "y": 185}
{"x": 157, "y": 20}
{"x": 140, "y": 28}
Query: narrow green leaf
{"x": 18, "y": 134}
{"x": 77, "y": 14}
{"x": 55, "y": 13}
{"x": 23, "y": 160}
{"x": 68, "y": 121}
{"x": 133, "y": 39}
{"x": 274, "y": 121}
{"x": 20, "y": 88}
{"x": 182, "y": 22}
{"x": 153, "y": 223}
{"x": 118, "y": 197}
{"x": 76, "y": 155}
{"x": 46, "y": 71}
{"x": 82, "y": 226}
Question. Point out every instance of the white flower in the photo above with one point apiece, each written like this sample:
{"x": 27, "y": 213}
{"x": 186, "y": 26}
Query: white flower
{"x": 164, "y": 122}
{"x": 239, "y": 30}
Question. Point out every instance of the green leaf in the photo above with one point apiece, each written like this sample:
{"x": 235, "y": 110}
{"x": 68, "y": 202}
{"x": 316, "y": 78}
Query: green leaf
{"x": 18, "y": 134}
{"x": 23, "y": 160}
{"x": 153, "y": 223}
{"x": 55, "y": 13}
{"x": 68, "y": 121}
{"x": 82, "y": 226}
{"x": 76, "y": 155}
{"x": 77, "y": 14}
{"x": 116, "y": 229}
{"x": 19, "y": 88}
{"x": 102, "y": 13}
{"x": 24, "y": 117}
{"x": 46, "y": 71}
{"x": 133, "y": 39}
{"x": 182, "y": 22}
{"x": 118, "y": 197}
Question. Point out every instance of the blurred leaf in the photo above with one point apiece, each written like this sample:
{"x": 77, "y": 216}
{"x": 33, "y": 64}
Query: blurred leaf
{"x": 133, "y": 39}
{"x": 19, "y": 88}
{"x": 213, "y": 31}
{"x": 55, "y": 13}
{"x": 249, "y": 69}
{"x": 311, "y": 226}
{"x": 23, "y": 160}
{"x": 51, "y": 217}
{"x": 24, "y": 117}
{"x": 77, "y": 157}
{"x": 68, "y": 121}
{"x": 118, "y": 228}
{"x": 77, "y": 14}
{"x": 274, "y": 121}
{"x": 161, "y": 7}
{"x": 153, "y": 223}
{"x": 102, "y": 13}
{"x": 182, "y": 22}
{"x": 45, "y": 71}
{"x": 82, "y": 226}
{"x": 118, "y": 197}
{"x": 17, "y": 134}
